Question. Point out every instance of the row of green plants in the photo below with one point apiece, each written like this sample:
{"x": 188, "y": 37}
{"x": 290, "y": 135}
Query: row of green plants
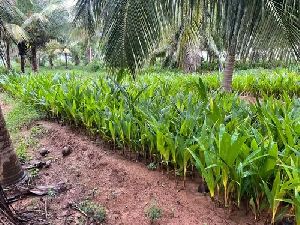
{"x": 240, "y": 65}
{"x": 246, "y": 153}
{"x": 254, "y": 82}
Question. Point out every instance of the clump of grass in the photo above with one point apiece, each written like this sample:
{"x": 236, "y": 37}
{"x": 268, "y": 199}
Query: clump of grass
{"x": 93, "y": 211}
{"x": 20, "y": 115}
{"x": 23, "y": 143}
{"x": 34, "y": 172}
{"x": 21, "y": 151}
{"x": 37, "y": 132}
{"x": 152, "y": 166}
{"x": 153, "y": 213}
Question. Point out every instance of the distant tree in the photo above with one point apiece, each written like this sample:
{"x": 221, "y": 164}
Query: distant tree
{"x": 9, "y": 31}
{"x": 52, "y": 47}
{"x": 43, "y": 26}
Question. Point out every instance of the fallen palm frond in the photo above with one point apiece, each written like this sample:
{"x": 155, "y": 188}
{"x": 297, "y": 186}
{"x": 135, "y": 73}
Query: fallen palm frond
{"x": 5, "y": 210}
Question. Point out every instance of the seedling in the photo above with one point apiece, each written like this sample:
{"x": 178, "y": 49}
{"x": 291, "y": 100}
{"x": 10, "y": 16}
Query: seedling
{"x": 152, "y": 166}
{"x": 153, "y": 213}
{"x": 93, "y": 211}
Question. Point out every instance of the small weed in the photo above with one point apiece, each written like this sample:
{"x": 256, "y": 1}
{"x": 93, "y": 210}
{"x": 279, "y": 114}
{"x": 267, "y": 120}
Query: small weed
{"x": 153, "y": 213}
{"x": 34, "y": 172}
{"x": 51, "y": 193}
{"x": 21, "y": 151}
{"x": 37, "y": 132}
{"x": 27, "y": 142}
{"x": 93, "y": 211}
{"x": 152, "y": 166}
{"x": 18, "y": 116}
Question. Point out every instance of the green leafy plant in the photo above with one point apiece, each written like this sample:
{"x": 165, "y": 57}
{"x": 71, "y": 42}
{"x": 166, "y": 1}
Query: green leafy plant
{"x": 182, "y": 122}
{"x": 152, "y": 166}
{"x": 93, "y": 211}
{"x": 153, "y": 213}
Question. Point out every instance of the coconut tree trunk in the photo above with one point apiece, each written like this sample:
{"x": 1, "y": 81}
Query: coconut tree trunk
{"x": 8, "y": 62}
{"x": 77, "y": 60}
{"x": 228, "y": 72}
{"x": 10, "y": 168}
{"x": 22, "y": 47}
{"x": 66, "y": 59}
{"x": 90, "y": 54}
{"x": 3, "y": 59}
{"x": 23, "y": 57}
{"x": 34, "y": 58}
{"x": 51, "y": 62}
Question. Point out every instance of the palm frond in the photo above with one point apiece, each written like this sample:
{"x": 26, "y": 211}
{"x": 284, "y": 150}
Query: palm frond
{"x": 10, "y": 13}
{"x": 133, "y": 27}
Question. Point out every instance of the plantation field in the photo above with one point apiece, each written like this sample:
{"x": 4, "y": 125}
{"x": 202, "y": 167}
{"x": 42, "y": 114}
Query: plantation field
{"x": 244, "y": 152}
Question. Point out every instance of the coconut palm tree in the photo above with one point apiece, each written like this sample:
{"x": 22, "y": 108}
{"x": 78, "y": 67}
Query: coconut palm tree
{"x": 51, "y": 48}
{"x": 39, "y": 23}
{"x": 8, "y": 30}
{"x": 10, "y": 169}
{"x": 43, "y": 26}
{"x": 132, "y": 28}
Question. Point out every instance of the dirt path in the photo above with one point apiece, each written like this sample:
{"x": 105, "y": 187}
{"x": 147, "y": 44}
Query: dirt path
{"x": 123, "y": 187}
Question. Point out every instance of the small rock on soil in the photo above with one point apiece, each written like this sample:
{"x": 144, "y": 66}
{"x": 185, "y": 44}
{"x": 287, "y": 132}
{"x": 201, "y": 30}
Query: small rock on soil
{"x": 66, "y": 151}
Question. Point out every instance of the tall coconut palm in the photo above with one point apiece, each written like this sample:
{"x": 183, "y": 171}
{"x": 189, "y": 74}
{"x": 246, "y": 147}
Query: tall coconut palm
{"x": 51, "y": 48}
{"x": 8, "y": 31}
{"x": 10, "y": 19}
{"x": 132, "y": 28}
{"x": 43, "y": 26}
{"x": 40, "y": 23}
{"x": 10, "y": 169}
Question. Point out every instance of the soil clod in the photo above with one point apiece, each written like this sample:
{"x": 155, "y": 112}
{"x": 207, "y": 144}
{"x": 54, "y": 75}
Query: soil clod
{"x": 66, "y": 151}
{"x": 44, "y": 152}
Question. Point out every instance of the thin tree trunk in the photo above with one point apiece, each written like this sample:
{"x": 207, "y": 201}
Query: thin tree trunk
{"x": 66, "y": 59}
{"x": 228, "y": 72}
{"x": 23, "y": 63}
{"x": 3, "y": 59}
{"x": 90, "y": 54}
{"x": 51, "y": 62}
{"x": 8, "y": 62}
{"x": 34, "y": 58}
{"x": 77, "y": 60}
{"x": 10, "y": 168}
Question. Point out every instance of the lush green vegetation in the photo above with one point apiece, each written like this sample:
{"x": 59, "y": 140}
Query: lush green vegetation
{"x": 244, "y": 152}
{"x": 256, "y": 82}
{"x": 18, "y": 115}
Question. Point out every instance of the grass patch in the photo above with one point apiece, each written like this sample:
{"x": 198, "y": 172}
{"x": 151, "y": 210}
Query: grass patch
{"x": 18, "y": 116}
{"x": 21, "y": 151}
{"x": 94, "y": 211}
{"x": 21, "y": 115}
